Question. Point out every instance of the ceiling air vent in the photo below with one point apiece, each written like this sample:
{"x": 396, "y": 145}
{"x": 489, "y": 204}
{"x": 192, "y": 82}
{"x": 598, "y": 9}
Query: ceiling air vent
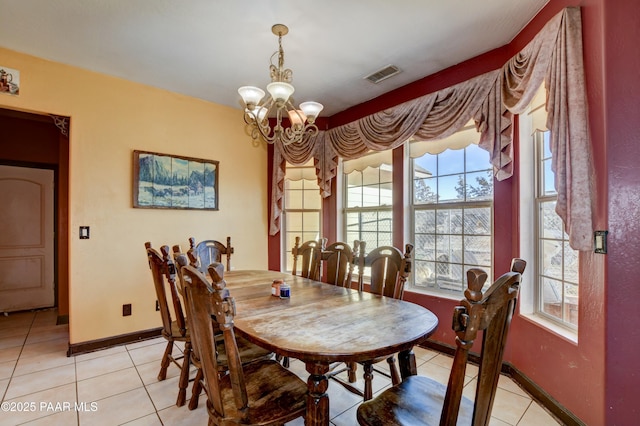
{"x": 383, "y": 74}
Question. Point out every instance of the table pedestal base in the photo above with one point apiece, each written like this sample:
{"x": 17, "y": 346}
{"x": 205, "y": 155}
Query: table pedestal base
{"x": 317, "y": 399}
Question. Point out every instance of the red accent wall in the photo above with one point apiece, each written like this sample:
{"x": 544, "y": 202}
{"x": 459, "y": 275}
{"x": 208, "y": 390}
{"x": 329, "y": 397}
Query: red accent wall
{"x": 273, "y": 242}
{"x": 595, "y": 378}
{"x": 621, "y": 27}
{"x": 398, "y": 199}
{"x": 571, "y": 373}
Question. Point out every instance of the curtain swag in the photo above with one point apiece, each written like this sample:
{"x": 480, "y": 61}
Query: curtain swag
{"x": 553, "y": 57}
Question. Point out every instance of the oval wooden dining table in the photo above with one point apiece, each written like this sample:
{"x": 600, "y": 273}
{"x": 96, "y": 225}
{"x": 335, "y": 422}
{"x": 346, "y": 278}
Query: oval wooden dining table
{"x": 320, "y": 324}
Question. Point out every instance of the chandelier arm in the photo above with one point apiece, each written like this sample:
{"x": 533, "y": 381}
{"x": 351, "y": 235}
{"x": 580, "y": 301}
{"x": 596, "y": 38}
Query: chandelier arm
{"x": 260, "y": 128}
{"x": 262, "y": 131}
{"x": 257, "y": 116}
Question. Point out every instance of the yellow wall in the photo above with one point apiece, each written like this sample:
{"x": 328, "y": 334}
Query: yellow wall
{"x": 110, "y": 118}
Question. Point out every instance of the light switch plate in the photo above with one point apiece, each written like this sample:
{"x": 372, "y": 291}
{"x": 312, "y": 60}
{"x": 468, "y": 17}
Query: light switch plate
{"x": 84, "y": 232}
{"x": 600, "y": 241}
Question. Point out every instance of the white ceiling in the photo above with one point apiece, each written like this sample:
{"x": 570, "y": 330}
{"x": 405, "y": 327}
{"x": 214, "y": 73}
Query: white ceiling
{"x": 209, "y": 48}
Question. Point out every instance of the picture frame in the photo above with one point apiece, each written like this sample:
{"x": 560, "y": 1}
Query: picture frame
{"x": 165, "y": 181}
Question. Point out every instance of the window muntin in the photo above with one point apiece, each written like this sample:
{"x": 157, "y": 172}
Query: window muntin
{"x": 452, "y": 218}
{"x": 557, "y": 271}
{"x": 302, "y": 209}
{"x": 368, "y": 200}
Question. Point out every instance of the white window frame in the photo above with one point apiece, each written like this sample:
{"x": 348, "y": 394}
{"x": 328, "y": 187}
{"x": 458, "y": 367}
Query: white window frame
{"x": 530, "y": 230}
{"x": 287, "y": 243}
{"x": 448, "y": 206}
{"x": 380, "y": 208}
{"x": 540, "y": 199}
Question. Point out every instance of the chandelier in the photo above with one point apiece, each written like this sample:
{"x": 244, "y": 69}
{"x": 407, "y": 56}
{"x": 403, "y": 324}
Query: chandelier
{"x": 279, "y": 101}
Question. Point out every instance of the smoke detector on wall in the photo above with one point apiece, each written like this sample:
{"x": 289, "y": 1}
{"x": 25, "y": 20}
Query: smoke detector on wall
{"x": 383, "y": 74}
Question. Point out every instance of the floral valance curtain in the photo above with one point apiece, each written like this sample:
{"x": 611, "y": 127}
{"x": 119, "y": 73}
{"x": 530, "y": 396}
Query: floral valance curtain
{"x": 554, "y": 57}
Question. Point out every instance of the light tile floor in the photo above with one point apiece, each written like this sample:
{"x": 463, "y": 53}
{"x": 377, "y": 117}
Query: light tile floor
{"x": 40, "y": 385}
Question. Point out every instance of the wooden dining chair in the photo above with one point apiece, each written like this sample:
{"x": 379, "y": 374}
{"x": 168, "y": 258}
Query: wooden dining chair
{"x": 210, "y": 251}
{"x": 258, "y": 393}
{"x": 248, "y": 351}
{"x": 422, "y": 400}
{"x": 163, "y": 272}
{"x": 388, "y": 270}
{"x": 336, "y": 261}
{"x": 310, "y": 253}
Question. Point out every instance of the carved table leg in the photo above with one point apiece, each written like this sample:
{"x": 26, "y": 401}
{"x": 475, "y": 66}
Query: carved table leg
{"x": 393, "y": 371}
{"x": 317, "y": 399}
{"x": 407, "y": 363}
{"x": 368, "y": 378}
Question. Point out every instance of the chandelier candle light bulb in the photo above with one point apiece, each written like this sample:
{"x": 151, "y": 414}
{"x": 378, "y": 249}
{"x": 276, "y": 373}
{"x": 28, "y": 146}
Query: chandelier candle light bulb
{"x": 279, "y": 101}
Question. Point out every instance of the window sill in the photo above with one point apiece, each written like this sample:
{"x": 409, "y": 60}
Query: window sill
{"x": 564, "y": 333}
{"x": 570, "y": 336}
{"x": 425, "y": 292}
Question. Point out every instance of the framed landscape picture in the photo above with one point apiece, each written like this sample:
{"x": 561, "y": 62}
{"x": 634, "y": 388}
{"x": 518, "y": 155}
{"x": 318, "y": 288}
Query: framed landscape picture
{"x": 163, "y": 181}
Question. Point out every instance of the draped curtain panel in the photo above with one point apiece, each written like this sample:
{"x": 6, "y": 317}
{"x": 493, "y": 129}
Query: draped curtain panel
{"x": 553, "y": 57}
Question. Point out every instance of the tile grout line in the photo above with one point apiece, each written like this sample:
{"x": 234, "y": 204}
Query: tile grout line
{"x": 4, "y": 395}
{"x": 31, "y": 326}
{"x": 144, "y": 386}
{"x": 21, "y": 351}
{"x": 524, "y": 412}
{"x": 75, "y": 365}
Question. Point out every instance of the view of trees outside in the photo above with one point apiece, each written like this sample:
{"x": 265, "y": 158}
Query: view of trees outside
{"x": 452, "y": 197}
{"x": 372, "y": 227}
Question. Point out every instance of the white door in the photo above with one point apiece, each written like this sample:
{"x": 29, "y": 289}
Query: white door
{"x": 26, "y": 238}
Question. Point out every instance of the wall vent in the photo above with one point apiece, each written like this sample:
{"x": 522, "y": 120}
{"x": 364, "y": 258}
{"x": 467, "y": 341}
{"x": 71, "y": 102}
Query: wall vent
{"x": 383, "y": 74}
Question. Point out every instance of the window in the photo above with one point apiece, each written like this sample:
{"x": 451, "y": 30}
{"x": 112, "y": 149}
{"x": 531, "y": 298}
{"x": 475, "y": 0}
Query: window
{"x": 557, "y": 262}
{"x": 553, "y": 264}
{"x": 368, "y": 200}
{"x": 302, "y": 208}
{"x": 452, "y": 215}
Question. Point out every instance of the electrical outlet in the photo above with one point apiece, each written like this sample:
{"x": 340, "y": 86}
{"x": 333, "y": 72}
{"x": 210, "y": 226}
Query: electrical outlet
{"x": 126, "y": 310}
{"x": 157, "y": 305}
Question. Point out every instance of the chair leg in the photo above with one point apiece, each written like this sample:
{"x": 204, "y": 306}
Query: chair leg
{"x": 166, "y": 360}
{"x": 393, "y": 369}
{"x": 368, "y": 379}
{"x": 283, "y": 359}
{"x": 184, "y": 375}
{"x": 351, "y": 371}
{"x": 196, "y": 390}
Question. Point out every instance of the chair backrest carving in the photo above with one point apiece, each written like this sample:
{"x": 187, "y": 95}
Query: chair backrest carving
{"x": 490, "y": 312}
{"x": 164, "y": 272}
{"x": 389, "y": 268}
{"x": 310, "y": 253}
{"x": 337, "y": 261}
{"x": 210, "y": 251}
{"x": 183, "y": 259}
{"x": 207, "y": 301}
